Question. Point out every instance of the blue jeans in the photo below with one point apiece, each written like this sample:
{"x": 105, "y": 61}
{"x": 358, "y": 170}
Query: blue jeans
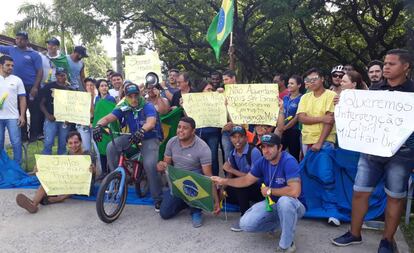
{"x": 171, "y": 206}
{"x": 226, "y": 145}
{"x": 284, "y": 216}
{"x": 15, "y": 137}
{"x": 85, "y": 132}
{"x": 394, "y": 170}
{"x": 212, "y": 140}
{"x": 51, "y": 130}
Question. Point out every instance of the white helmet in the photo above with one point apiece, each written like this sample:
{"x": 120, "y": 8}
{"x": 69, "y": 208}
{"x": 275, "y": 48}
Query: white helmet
{"x": 339, "y": 68}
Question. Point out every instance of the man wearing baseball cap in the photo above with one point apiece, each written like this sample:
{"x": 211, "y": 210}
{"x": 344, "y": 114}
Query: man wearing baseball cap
{"x": 143, "y": 123}
{"x": 51, "y": 127}
{"x": 279, "y": 172}
{"x": 28, "y": 67}
{"x": 240, "y": 162}
{"x": 56, "y": 59}
{"x": 77, "y": 67}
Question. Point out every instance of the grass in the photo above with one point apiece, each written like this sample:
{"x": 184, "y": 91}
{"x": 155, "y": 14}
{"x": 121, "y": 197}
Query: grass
{"x": 32, "y": 149}
{"x": 408, "y": 231}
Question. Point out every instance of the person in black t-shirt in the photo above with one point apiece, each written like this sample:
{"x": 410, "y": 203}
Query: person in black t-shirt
{"x": 52, "y": 128}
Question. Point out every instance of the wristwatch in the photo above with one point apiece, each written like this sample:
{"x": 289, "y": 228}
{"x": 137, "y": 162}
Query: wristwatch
{"x": 269, "y": 192}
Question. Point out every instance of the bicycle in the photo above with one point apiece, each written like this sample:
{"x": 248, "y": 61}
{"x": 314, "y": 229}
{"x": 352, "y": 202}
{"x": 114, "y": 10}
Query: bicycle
{"x": 113, "y": 190}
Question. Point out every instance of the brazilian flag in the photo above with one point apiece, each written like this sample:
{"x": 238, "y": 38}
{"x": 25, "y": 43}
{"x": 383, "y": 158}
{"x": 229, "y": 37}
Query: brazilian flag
{"x": 221, "y": 26}
{"x": 169, "y": 123}
{"x": 102, "y": 108}
{"x": 195, "y": 189}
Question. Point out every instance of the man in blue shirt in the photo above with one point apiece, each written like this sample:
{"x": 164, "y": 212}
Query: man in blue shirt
{"x": 239, "y": 164}
{"x": 279, "y": 171}
{"x": 143, "y": 122}
{"x": 28, "y": 67}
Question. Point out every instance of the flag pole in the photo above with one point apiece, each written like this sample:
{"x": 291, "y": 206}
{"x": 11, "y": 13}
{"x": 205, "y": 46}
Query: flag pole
{"x": 232, "y": 63}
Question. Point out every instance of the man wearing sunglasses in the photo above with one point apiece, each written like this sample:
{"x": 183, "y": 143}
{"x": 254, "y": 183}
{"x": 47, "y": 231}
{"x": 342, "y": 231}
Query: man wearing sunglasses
{"x": 280, "y": 173}
{"x": 336, "y": 74}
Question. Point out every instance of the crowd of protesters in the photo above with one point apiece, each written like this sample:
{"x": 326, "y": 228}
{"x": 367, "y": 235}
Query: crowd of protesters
{"x": 259, "y": 161}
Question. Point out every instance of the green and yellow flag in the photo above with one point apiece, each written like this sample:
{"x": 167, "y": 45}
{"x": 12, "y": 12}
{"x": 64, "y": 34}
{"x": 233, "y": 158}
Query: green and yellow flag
{"x": 102, "y": 108}
{"x": 221, "y": 26}
{"x": 195, "y": 189}
{"x": 169, "y": 123}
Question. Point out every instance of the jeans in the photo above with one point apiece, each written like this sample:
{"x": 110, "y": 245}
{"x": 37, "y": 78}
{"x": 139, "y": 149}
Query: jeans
{"x": 85, "y": 132}
{"x": 226, "y": 145}
{"x": 284, "y": 216}
{"x": 36, "y": 116}
{"x": 149, "y": 149}
{"x": 212, "y": 140}
{"x": 171, "y": 206}
{"x": 51, "y": 130}
{"x": 15, "y": 137}
{"x": 394, "y": 170}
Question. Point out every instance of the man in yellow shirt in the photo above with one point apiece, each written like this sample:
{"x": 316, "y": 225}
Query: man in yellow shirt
{"x": 316, "y": 113}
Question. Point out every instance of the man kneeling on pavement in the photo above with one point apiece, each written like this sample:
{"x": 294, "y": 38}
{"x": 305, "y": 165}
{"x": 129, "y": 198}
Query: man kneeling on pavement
{"x": 279, "y": 171}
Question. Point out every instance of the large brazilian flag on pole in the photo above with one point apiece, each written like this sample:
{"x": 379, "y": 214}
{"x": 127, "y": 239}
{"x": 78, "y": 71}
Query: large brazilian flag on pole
{"x": 195, "y": 189}
{"x": 169, "y": 123}
{"x": 221, "y": 26}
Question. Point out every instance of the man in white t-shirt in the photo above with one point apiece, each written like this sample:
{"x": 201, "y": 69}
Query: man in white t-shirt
{"x": 117, "y": 83}
{"x": 11, "y": 91}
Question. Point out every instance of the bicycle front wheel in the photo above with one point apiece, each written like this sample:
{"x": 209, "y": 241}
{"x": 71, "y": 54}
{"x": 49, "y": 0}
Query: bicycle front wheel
{"x": 109, "y": 205}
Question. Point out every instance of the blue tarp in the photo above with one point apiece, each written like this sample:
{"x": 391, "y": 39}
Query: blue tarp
{"x": 12, "y": 175}
{"x": 327, "y": 182}
{"x": 317, "y": 178}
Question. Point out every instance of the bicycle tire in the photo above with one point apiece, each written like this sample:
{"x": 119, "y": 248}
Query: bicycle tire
{"x": 115, "y": 178}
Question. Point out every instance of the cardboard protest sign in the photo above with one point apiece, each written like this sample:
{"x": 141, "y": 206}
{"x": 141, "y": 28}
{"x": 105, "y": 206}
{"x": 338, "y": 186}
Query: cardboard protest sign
{"x": 138, "y": 66}
{"x": 374, "y": 122}
{"x": 253, "y": 103}
{"x": 64, "y": 174}
{"x": 72, "y": 106}
{"x": 207, "y": 108}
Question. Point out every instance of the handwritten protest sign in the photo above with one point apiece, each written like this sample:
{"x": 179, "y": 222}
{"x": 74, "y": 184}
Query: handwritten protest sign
{"x": 64, "y": 174}
{"x": 138, "y": 66}
{"x": 207, "y": 108}
{"x": 253, "y": 103}
{"x": 374, "y": 122}
{"x": 72, "y": 106}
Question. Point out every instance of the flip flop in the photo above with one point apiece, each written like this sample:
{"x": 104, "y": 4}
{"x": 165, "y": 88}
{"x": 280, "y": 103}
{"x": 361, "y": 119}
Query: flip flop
{"x": 26, "y": 203}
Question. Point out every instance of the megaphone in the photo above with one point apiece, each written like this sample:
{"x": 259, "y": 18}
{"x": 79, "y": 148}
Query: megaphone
{"x": 152, "y": 80}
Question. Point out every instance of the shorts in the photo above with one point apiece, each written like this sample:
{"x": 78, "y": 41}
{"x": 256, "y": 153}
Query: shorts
{"x": 395, "y": 171}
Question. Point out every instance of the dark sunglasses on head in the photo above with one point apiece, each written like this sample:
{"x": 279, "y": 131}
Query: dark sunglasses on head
{"x": 337, "y": 75}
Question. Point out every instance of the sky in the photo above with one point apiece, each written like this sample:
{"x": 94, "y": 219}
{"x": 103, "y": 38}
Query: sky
{"x": 8, "y": 13}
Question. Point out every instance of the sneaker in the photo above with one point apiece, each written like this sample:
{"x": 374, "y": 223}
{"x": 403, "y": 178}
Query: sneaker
{"x": 346, "y": 239}
{"x": 236, "y": 227}
{"x": 26, "y": 203}
{"x": 197, "y": 219}
{"x": 386, "y": 246}
{"x": 157, "y": 206}
{"x": 334, "y": 222}
{"x": 291, "y": 249}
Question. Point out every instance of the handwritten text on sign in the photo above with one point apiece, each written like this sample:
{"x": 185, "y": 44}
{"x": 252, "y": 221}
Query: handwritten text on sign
{"x": 374, "y": 122}
{"x": 253, "y": 103}
{"x": 207, "y": 108}
{"x": 64, "y": 174}
{"x": 138, "y": 66}
{"x": 72, "y": 106}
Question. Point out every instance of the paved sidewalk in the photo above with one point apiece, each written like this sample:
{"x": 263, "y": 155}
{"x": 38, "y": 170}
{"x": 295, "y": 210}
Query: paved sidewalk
{"x": 73, "y": 226}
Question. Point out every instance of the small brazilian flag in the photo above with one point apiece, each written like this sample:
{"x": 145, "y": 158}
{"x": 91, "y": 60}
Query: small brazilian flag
{"x": 221, "y": 26}
{"x": 195, "y": 189}
{"x": 169, "y": 123}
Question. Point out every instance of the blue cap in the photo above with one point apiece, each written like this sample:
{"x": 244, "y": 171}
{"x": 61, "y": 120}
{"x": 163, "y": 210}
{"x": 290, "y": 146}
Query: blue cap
{"x": 131, "y": 88}
{"x": 60, "y": 70}
{"x": 271, "y": 139}
{"x": 53, "y": 41}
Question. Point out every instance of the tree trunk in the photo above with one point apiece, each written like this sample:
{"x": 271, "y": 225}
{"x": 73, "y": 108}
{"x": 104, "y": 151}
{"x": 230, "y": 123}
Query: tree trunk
{"x": 62, "y": 38}
{"x": 119, "y": 68}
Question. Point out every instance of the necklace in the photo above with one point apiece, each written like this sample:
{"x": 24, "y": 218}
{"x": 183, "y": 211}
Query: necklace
{"x": 274, "y": 173}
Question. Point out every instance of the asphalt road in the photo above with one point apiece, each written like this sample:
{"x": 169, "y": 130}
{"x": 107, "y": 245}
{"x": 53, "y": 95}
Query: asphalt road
{"x": 73, "y": 226}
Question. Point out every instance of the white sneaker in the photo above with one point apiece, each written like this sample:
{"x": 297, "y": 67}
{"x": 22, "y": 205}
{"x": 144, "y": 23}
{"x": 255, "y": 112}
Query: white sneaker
{"x": 334, "y": 222}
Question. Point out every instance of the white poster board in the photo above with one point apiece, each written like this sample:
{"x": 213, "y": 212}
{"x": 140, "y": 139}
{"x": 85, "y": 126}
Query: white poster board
{"x": 374, "y": 122}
